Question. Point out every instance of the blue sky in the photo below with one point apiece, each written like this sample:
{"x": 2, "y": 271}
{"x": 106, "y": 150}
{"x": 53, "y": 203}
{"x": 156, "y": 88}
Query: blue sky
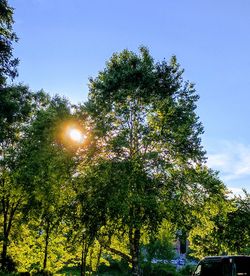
{"x": 62, "y": 43}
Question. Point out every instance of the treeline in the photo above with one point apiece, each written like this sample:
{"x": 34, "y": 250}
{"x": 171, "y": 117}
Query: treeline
{"x": 136, "y": 178}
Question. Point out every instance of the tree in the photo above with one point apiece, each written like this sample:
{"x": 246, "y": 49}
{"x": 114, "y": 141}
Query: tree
{"x": 160, "y": 247}
{"x": 146, "y": 126}
{"x": 205, "y": 236}
{"x": 208, "y": 218}
{"x": 45, "y": 167}
{"x": 236, "y": 232}
{"x": 7, "y": 37}
{"x": 18, "y": 105}
{"x": 221, "y": 225}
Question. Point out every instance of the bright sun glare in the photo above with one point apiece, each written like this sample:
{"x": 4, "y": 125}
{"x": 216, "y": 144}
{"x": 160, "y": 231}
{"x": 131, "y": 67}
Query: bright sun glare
{"x": 76, "y": 135}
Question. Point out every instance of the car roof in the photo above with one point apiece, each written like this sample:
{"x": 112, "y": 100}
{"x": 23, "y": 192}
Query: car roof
{"x": 219, "y": 258}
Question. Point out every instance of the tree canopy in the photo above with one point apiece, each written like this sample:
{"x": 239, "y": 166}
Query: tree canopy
{"x": 146, "y": 129}
{"x": 7, "y": 36}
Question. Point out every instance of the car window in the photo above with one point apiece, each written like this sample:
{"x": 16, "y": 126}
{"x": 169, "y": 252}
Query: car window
{"x": 198, "y": 270}
{"x": 212, "y": 268}
{"x": 242, "y": 266}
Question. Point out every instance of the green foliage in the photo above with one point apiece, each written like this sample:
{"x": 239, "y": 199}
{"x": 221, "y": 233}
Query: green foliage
{"x": 236, "y": 231}
{"x": 146, "y": 127}
{"x": 160, "y": 246}
{"x": 70, "y": 271}
{"x": 160, "y": 249}
{"x": 223, "y": 228}
{"x": 159, "y": 269}
{"x": 10, "y": 265}
{"x": 137, "y": 178}
{"x": 140, "y": 167}
{"x": 135, "y": 96}
{"x": 187, "y": 270}
{"x": 115, "y": 267}
{"x": 207, "y": 234}
{"x": 192, "y": 188}
{"x": 44, "y": 168}
{"x": 7, "y": 37}
{"x": 27, "y": 248}
{"x": 19, "y": 106}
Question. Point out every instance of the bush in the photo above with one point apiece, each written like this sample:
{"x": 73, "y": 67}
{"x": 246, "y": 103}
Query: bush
{"x": 10, "y": 265}
{"x": 159, "y": 269}
{"x": 115, "y": 268}
{"x": 42, "y": 273}
{"x": 75, "y": 271}
{"x": 187, "y": 270}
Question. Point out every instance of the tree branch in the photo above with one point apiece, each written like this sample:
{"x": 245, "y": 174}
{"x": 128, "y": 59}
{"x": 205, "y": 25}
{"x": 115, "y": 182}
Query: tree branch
{"x": 117, "y": 252}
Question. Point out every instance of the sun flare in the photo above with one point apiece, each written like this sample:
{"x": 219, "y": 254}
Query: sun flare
{"x": 76, "y": 135}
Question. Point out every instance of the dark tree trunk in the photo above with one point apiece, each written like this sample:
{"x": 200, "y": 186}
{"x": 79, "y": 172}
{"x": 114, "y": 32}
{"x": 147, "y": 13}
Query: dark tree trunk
{"x": 90, "y": 261}
{"x": 4, "y": 253}
{"x": 83, "y": 259}
{"x": 5, "y": 237}
{"x": 134, "y": 239}
{"x": 9, "y": 211}
{"x": 46, "y": 245}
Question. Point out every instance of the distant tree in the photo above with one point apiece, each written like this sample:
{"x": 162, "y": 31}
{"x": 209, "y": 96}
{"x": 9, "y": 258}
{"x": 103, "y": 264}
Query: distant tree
{"x": 201, "y": 186}
{"x": 7, "y": 36}
{"x": 235, "y": 233}
{"x": 209, "y": 217}
{"x": 145, "y": 128}
{"x": 220, "y": 226}
{"x": 161, "y": 246}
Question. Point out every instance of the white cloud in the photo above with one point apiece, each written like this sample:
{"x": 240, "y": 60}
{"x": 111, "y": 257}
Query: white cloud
{"x": 231, "y": 159}
{"x": 236, "y": 191}
{"x": 219, "y": 160}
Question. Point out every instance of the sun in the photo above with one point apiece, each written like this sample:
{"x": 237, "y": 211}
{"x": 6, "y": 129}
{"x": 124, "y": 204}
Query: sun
{"x": 76, "y": 135}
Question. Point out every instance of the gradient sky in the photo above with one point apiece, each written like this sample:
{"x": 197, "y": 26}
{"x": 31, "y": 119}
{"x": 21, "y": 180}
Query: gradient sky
{"x": 62, "y": 43}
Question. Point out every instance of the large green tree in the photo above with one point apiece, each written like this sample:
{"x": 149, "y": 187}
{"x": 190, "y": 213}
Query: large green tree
{"x": 45, "y": 167}
{"x": 17, "y": 108}
{"x": 145, "y": 126}
{"x": 7, "y": 36}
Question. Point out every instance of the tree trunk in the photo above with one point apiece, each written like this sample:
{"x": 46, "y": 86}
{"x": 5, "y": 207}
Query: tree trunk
{"x": 90, "y": 261}
{"x": 46, "y": 246}
{"x": 83, "y": 259}
{"x": 4, "y": 253}
{"x": 8, "y": 215}
{"x": 5, "y": 237}
{"x": 134, "y": 239}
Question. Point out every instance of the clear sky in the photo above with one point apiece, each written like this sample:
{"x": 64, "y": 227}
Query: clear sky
{"x": 62, "y": 43}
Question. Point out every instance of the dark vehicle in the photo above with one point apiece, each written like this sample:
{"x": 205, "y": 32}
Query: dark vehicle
{"x": 223, "y": 266}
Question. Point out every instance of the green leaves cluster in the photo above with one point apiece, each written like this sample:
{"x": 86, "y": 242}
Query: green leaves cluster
{"x": 222, "y": 227}
{"x": 7, "y": 37}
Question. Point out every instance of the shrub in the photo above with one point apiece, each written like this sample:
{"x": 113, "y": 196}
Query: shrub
{"x": 187, "y": 270}
{"x": 10, "y": 265}
{"x": 116, "y": 268}
{"x": 159, "y": 269}
{"x": 42, "y": 273}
